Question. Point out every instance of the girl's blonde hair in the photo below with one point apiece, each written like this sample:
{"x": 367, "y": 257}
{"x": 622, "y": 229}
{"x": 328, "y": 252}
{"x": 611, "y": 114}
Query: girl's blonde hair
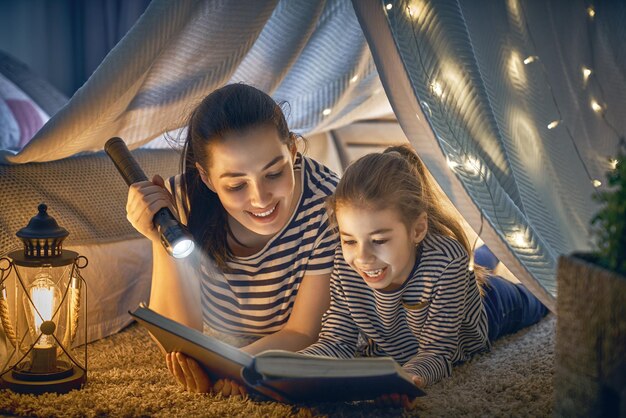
{"x": 397, "y": 179}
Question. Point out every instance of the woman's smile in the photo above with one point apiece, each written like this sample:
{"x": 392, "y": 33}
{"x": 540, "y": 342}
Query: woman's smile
{"x": 265, "y": 216}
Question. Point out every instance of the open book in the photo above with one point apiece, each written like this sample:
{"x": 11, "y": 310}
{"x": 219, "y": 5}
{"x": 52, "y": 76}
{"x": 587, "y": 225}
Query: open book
{"x": 282, "y": 375}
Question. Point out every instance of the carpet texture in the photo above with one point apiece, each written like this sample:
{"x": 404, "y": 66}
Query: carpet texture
{"x": 127, "y": 377}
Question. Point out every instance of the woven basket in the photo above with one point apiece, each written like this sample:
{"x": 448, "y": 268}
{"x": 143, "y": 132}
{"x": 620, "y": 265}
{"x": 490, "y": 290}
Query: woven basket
{"x": 590, "y": 377}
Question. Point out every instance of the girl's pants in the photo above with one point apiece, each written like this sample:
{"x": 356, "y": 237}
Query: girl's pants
{"x": 510, "y": 307}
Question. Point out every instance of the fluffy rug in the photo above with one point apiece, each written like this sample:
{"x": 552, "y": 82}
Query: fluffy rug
{"x": 127, "y": 377}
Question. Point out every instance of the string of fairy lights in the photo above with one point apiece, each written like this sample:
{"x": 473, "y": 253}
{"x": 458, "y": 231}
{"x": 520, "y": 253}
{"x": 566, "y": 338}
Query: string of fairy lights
{"x": 519, "y": 237}
{"x": 587, "y": 72}
{"x": 471, "y": 163}
{"x": 588, "y": 75}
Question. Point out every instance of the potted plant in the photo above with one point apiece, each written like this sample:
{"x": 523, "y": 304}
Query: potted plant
{"x": 590, "y": 378}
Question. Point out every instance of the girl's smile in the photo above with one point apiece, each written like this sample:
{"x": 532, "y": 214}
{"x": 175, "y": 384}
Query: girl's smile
{"x": 374, "y": 276}
{"x": 378, "y": 245}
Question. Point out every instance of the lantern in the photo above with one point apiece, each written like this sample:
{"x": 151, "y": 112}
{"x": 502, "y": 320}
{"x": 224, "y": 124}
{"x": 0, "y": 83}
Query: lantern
{"x": 40, "y": 298}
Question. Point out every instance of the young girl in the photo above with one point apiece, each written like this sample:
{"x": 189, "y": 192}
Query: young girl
{"x": 255, "y": 207}
{"x": 401, "y": 280}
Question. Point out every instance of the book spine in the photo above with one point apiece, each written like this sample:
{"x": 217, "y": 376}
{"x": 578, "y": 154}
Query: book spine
{"x": 255, "y": 381}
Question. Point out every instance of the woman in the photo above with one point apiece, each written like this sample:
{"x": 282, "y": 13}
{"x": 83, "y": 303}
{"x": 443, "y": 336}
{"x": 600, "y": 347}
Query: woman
{"x": 255, "y": 207}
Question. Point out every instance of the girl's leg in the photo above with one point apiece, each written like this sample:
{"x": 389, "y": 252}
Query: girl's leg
{"x": 484, "y": 257}
{"x": 510, "y": 307}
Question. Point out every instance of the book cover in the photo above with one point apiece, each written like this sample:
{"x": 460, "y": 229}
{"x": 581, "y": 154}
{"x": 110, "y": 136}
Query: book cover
{"x": 281, "y": 375}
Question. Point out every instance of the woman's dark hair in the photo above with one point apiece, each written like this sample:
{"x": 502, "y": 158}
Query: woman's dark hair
{"x": 234, "y": 108}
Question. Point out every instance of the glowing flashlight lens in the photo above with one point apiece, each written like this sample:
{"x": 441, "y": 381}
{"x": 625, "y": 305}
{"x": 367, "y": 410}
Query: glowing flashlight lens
{"x": 182, "y": 248}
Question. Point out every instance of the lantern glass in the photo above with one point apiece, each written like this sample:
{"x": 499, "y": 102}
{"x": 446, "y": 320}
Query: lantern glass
{"x": 41, "y": 304}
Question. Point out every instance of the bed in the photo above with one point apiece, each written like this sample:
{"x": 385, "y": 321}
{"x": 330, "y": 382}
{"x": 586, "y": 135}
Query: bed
{"x": 84, "y": 193}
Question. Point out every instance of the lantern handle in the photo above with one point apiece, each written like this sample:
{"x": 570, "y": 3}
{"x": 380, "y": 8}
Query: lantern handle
{"x": 4, "y": 269}
{"x": 83, "y": 259}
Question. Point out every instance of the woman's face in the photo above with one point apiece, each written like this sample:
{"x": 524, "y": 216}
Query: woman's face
{"x": 252, "y": 174}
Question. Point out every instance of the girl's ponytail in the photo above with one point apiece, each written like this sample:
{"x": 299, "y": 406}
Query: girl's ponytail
{"x": 442, "y": 218}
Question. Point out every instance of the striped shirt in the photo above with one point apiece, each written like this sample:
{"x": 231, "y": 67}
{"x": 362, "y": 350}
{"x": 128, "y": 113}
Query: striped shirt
{"x": 256, "y": 296}
{"x": 434, "y": 320}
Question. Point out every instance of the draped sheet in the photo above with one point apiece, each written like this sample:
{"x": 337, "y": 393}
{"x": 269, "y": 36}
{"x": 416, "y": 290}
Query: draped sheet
{"x": 310, "y": 54}
{"x": 454, "y": 74}
{"x": 478, "y": 114}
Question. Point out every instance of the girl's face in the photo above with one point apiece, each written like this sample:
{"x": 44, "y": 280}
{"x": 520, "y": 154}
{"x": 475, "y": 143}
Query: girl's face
{"x": 252, "y": 174}
{"x": 378, "y": 245}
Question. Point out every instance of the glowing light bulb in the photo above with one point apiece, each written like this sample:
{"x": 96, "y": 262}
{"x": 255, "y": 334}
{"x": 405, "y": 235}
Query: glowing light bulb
{"x": 596, "y": 183}
{"x": 591, "y": 12}
{"x": 451, "y": 163}
{"x": 553, "y": 124}
{"x": 530, "y": 59}
{"x": 519, "y": 239}
{"x": 586, "y": 73}
{"x": 326, "y": 111}
{"x": 354, "y": 79}
{"x": 436, "y": 88}
{"x": 613, "y": 162}
{"x": 388, "y": 6}
{"x": 412, "y": 11}
{"x": 182, "y": 248}
{"x": 45, "y": 296}
{"x": 596, "y": 106}
{"x": 472, "y": 165}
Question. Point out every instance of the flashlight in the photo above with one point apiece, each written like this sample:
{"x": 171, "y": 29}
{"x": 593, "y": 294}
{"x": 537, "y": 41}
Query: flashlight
{"x": 174, "y": 236}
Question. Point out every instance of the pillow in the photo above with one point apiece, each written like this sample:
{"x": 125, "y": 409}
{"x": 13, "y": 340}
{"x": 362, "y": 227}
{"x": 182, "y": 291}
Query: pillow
{"x": 20, "y": 116}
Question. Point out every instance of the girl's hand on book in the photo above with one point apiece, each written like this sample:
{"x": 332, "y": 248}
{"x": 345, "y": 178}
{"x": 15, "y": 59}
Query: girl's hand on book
{"x": 419, "y": 381}
{"x": 228, "y": 387}
{"x": 396, "y": 400}
{"x": 188, "y": 372}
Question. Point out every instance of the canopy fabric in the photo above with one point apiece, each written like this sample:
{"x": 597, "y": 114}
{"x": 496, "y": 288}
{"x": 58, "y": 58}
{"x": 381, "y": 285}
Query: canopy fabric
{"x": 491, "y": 95}
{"x": 494, "y": 98}
{"x": 311, "y": 54}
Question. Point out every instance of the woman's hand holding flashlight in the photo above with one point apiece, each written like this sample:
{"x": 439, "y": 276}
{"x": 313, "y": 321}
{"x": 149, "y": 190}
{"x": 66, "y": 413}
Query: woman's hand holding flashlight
{"x": 145, "y": 198}
{"x": 149, "y": 198}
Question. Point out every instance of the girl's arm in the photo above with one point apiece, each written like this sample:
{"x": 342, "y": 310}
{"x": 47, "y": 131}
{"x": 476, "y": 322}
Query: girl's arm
{"x": 303, "y": 326}
{"x": 339, "y": 334}
{"x": 439, "y": 338}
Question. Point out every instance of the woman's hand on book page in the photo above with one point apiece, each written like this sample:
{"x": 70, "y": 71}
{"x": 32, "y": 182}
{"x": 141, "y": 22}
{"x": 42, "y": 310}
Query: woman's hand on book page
{"x": 404, "y": 401}
{"x": 188, "y": 372}
{"x": 228, "y": 387}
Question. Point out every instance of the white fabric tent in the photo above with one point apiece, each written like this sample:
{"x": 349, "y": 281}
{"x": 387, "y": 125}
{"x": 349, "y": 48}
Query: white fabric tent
{"x": 453, "y": 71}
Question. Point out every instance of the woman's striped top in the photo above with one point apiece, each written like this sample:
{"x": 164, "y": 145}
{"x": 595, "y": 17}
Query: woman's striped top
{"x": 434, "y": 320}
{"x": 256, "y": 296}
